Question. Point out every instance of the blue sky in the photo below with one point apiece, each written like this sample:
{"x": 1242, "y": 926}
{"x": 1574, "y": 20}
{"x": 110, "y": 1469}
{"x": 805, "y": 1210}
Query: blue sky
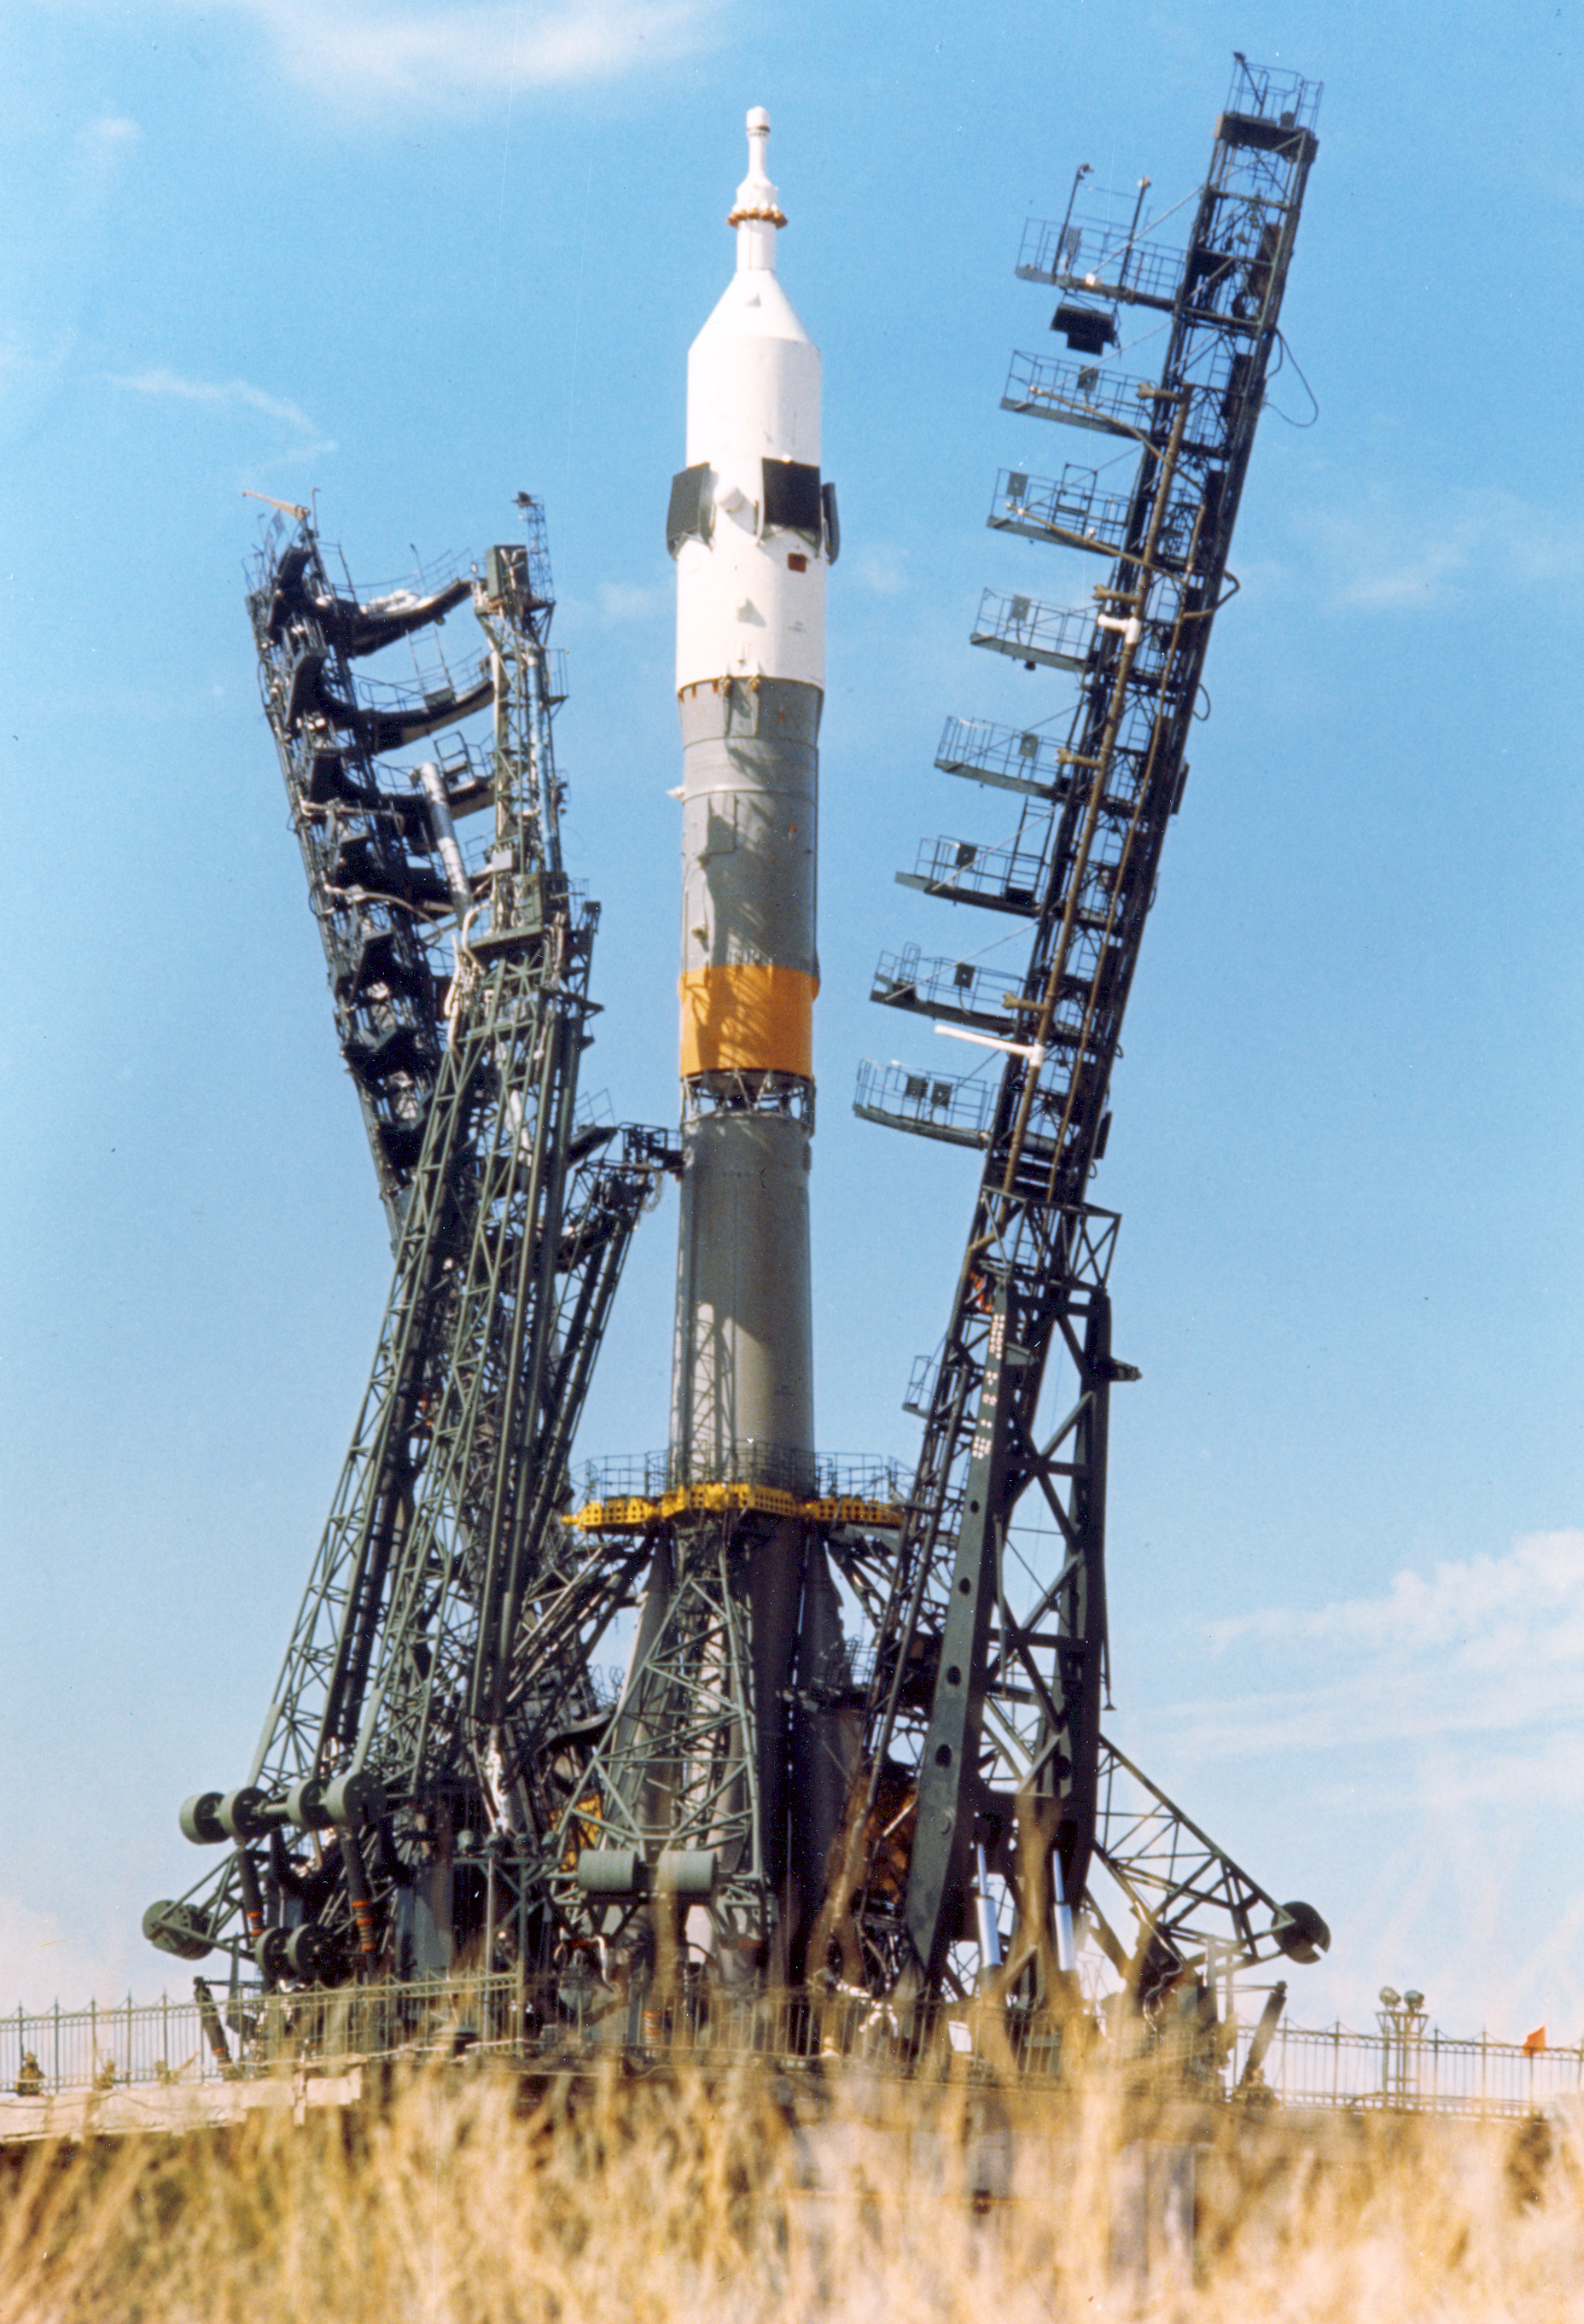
{"x": 418, "y": 257}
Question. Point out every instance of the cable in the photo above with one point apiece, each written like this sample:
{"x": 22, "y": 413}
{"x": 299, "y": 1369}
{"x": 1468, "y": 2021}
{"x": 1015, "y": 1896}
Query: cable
{"x": 1143, "y": 336}
{"x": 1288, "y": 355}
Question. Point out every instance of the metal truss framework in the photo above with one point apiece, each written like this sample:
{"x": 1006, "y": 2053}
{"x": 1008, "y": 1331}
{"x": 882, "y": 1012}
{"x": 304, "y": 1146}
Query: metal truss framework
{"x": 437, "y": 1740}
{"x": 982, "y": 1750}
{"x": 676, "y": 1774}
{"x": 409, "y": 1710}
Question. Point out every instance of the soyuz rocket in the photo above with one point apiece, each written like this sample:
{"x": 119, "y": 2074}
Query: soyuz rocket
{"x": 752, "y": 528}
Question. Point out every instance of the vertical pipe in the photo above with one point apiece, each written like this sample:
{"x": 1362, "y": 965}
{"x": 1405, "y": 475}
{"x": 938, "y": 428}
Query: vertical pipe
{"x": 1066, "y": 1950}
{"x": 990, "y": 1935}
{"x": 359, "y": 1898}
{"x": 432, "y": 783}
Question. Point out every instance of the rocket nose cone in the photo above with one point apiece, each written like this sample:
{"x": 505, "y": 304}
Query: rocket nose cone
{"x": 758, "y": 118}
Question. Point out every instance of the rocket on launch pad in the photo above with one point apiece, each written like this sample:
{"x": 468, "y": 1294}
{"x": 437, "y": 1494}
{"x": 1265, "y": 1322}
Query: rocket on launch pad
{"x": 748, "y": 527}
{"x": 752, "y": 528}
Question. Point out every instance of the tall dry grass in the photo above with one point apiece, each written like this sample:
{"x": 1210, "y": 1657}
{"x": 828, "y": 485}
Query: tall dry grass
{"x": 462, "y": 2202}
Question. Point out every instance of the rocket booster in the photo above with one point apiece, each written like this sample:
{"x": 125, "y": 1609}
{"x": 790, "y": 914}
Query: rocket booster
{"x": 752, "y": 528}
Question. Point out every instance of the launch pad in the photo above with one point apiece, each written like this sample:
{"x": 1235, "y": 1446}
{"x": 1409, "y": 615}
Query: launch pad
{"x": 856, "y": 1755}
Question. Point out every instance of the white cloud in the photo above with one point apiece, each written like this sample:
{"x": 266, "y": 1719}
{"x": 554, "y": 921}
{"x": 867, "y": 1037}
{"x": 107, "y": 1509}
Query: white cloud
{"x": 1490, "y": 1651}
{"x": 361, "y": 53}
{"x": 1541, "y": 1577}
{"x": 882, "y": 570}
{"x": 230, "y": 394}
{"x": 110, "y": 132}
{"x": 1414, "y": 1761}
{"x": 1399, "y": 556}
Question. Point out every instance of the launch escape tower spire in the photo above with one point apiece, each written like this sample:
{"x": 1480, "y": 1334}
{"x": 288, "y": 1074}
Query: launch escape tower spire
{"x": 929, "y": 1806}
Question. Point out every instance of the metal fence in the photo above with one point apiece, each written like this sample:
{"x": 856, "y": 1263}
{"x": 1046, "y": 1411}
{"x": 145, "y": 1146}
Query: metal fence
{"x": 955, "y": 1109}
{"x": 1426, "y": 2072}
{"x": 816, "y": 1476}
{"x": 1032, "y": 633}
{"x": 576, "y": 2019}
{"x": 103, "y": 2048}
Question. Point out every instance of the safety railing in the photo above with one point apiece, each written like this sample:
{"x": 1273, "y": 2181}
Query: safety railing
{"x": 1424, "y": 2072}
{"x": 104, "y": 2047}
{"x": 589, "y": 2008}
{"x": 1009, "y": 758}
{"x": 1085, "y": 394}
{"x": 1034, "y": 633}
{"x": 949, "y": 989}
{"x": 933, "y": 1105}
{"x": 1090, "y": 395}
{"x": 1070, "y": 510}
{"x": 1284, "y": 97}
{"x": 1005, "y": 879}
{"x": 1089, "y": 252}
{"x": 813, "y": 1476}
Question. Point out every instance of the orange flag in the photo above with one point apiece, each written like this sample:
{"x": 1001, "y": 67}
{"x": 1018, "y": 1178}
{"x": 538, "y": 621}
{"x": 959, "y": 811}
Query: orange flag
{"x": 1534, "y": 2042}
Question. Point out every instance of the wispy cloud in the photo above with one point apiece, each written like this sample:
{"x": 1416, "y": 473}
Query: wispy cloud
{"x": 42, "y": 1961}
{"x": 102, "y": 141}
{"x": 1488, "y": 1648}
{"x": 1434, "y": 553}
{"x": 1423, "y": 1747}
{"x": 363, "y": 54}
{"x": 882, "y": 570}
{"x": 235, "y": 395}
{"x": 629, "y": 601}
{"x": 231, "y": 394}
{"x": 1541, "y": 1579}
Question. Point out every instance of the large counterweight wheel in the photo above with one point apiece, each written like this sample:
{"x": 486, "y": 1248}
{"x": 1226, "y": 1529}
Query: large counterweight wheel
{"x": 1300, "y": 1932}
{"x": 271, "y": 1954}
{"x": 179, "y": 1928}
{"x": 242, "y": 1815}
{"x": 201, "y": 1819}
{"x": 313, "y": 1956}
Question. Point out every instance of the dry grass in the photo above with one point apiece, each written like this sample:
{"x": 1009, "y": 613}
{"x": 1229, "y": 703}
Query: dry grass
{"x": 463, "y": 2203}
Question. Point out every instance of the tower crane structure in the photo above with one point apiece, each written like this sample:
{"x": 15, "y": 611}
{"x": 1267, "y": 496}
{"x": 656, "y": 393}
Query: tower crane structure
{"x": 930, "y": 1804}
{"x": 984, "y": 1785}
{"x": 380, "y": 1821}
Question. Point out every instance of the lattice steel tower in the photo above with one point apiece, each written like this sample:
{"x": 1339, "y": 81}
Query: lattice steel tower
{"x": 389, "y": 1810}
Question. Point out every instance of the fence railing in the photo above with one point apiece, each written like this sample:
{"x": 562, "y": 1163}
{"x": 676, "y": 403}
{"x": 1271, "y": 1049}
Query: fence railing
{"x": 1427, "y": 2071}
{"x": 816, "y": 1476}
{"x": 104, "y": 2047}
{"x": 576, "y": 2018}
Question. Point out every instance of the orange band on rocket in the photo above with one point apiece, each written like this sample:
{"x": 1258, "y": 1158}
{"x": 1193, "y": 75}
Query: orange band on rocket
{"x": 749, "y": 1018}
